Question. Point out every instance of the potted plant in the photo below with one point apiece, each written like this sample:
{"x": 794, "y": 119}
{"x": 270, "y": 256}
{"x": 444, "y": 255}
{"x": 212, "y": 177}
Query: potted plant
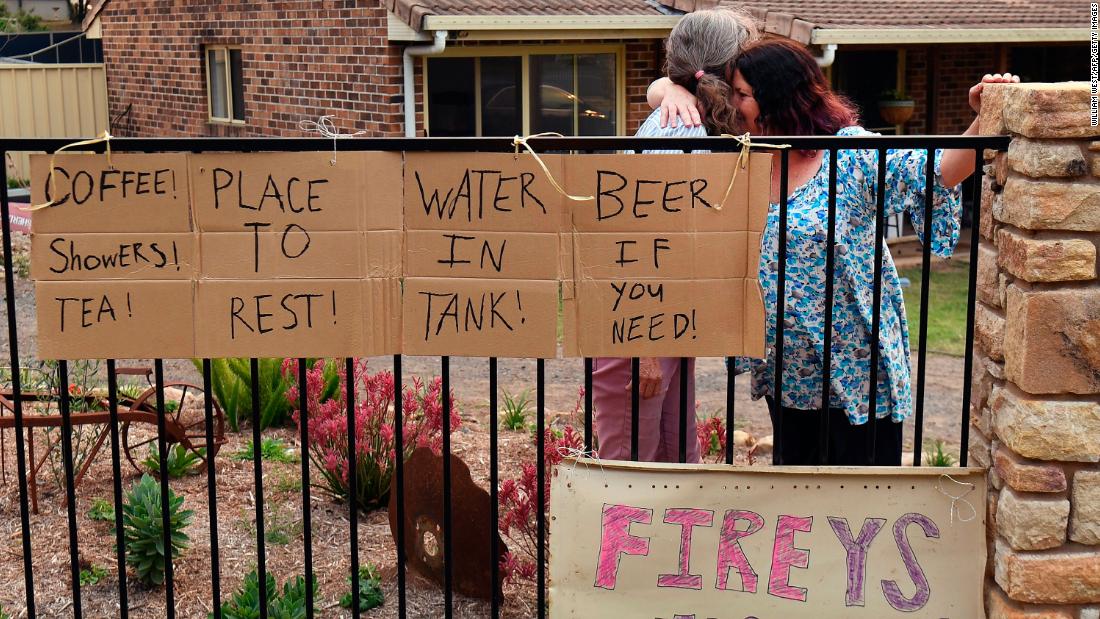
{"x": 894, "y": 107}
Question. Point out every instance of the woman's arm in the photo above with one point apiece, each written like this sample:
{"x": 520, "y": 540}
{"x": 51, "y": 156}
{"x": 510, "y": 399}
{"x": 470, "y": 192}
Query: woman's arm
{"x": 957, "y": 165}
{"x": 675, "y": 102}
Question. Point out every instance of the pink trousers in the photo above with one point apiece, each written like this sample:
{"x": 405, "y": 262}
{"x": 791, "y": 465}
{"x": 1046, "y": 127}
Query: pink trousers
{"x": 658, "y": 417}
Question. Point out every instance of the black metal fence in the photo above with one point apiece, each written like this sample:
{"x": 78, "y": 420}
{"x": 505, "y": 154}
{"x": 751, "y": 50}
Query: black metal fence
{"x": 22, "y": 423}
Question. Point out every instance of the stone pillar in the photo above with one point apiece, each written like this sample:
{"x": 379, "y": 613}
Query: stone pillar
{"x": 1035, "y": 410}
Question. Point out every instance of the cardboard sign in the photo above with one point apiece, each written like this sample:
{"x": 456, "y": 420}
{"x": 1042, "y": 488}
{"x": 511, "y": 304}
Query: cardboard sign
{"x": 277, "y": 192}
{"x": 383, "y": 253}
{"x": 79, "y": 257}
{"x": 481, "y": 255}
{"x": 269, "y": 318}
{"x": 675, "y": 542}
{"x": 482, "y": 191}
{"x": 281, "y": 255}
{"x": 484, "y": 255}
{"x": 480, "y": 318}
{"x": 137, "y": 193}
{"x": 114, "y": 319}
{"x": 291, "y": 255}
{"x": 668, "y": 193}
{"x": 663, "y": 263}
{"x": 668, "y": 318}
{"x": 668, "y": 255}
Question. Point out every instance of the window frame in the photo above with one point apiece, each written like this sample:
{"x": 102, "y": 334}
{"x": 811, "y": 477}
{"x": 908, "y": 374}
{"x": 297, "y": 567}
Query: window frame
{"x": 524, "y": 52}
{"x": 225, "y": 49}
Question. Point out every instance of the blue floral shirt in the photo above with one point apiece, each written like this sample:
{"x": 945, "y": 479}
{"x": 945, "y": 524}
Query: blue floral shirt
{"x": 804, "y": 320}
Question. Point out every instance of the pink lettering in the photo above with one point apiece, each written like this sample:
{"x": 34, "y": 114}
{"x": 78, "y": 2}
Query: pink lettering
{"x": 616, "y": 540}
{"x": 688, "y": 519}
{"x": 730, "y": 553}
{"x": 785, "y": 556}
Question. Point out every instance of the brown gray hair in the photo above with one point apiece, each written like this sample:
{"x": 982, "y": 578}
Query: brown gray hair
{"x": 709, "y": 41}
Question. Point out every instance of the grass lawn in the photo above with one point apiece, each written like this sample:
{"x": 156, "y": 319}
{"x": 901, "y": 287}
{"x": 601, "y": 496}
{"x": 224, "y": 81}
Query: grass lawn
{"x": 946, "y": 306}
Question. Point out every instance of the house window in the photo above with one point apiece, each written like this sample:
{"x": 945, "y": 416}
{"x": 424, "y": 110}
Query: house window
{"x": 516, "y": 91}
{"x": 864, "y": 76}
{"x": 224, "y": 84}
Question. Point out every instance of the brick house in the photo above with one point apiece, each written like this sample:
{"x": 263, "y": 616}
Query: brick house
{"x": 502, "y": 67}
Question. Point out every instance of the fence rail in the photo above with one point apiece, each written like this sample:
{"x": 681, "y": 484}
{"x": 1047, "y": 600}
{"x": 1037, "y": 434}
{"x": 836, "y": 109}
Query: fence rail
{"x": 22, "y": 425}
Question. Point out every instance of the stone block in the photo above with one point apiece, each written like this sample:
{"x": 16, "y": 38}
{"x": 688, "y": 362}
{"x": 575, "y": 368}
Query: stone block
{"x": 988, "y": 284}
{"x": 979, "y": 449}
{"x": 1047, "y": 158}
{"x": 1045, "y": 260}
{"x": 1052, "y": 340}
{"x": 989, "y": 331}
{"x": 1064, "y": 577}
{"x": 1050, "y": 205}
{"x": 1084, "y": 527}
{"x": 1025, "y": 475}
{"x": 1000, "y": 171}
{"x": 1047, "y": 430}
{"x": 997, "y": 606}
{"x": 1032, "y": 522}
{"x": 985, "y": 227}
{"x": 1057, "y": 110}
{"x": 991, "y": 120}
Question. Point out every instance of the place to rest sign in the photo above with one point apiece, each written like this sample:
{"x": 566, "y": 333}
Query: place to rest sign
{"x": 686, "y": 542}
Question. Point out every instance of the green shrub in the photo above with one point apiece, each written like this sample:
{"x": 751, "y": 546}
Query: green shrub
{"x": 22, "y": 263}
{"x": 101, "y": 510}
{"x": 92, "y": 575}
{"x": 515, "y": 409}
{"x": 370, "y": 589}
{"x": 938, "y": 457}
{"x": 19, "y": 21}
{"x": 181, "y": 460}
{"x": 271, "y": 450}
{"x": 143, "y": 529}
{"x": 131, "y": 392}
{"x": 4, "y": 614}
{"x": 290, "y": 603}
{"x": 232, "y": 386}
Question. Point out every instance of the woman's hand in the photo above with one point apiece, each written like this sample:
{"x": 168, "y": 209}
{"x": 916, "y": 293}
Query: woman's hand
{"x": 958, "y": 164}
{"x": 996, "y": 78}
{"x": 649, "y": 377}
{"x": 675, "y": 102}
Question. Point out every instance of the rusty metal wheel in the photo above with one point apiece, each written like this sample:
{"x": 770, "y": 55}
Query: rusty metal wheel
{"x": 185, "y": 424}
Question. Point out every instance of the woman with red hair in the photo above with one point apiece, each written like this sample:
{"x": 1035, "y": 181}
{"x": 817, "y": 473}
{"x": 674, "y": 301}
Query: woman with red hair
{"x": 779, "y": 90}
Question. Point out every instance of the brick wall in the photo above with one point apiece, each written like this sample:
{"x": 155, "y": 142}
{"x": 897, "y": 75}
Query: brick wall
{"x": 643, "y": 65}
{"x": 300, "y": 58}
{"x": 1035, "y": 412}
{"x": 956, "y": 68}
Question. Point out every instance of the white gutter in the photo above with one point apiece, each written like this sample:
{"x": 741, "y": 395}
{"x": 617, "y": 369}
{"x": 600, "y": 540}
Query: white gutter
{"x": 900, "y": 36}
{"x": 828, "y": 55}
{"x": 549, "y": 22}
{"x": 435, "y": 47}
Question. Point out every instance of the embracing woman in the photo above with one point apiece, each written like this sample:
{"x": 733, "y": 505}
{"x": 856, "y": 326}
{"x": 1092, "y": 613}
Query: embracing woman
{"x": 779, "y": 90}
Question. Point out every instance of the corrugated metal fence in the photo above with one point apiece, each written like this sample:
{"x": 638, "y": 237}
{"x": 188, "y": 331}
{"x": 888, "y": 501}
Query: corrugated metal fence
{"x": 51, "y": 100}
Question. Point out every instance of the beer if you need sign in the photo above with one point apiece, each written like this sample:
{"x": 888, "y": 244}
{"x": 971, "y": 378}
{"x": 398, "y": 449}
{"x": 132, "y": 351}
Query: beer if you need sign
{"x": 476, "y": 254}
{"x": 689, "y": 542}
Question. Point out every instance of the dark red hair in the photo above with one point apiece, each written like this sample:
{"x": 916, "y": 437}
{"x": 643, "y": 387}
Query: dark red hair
{"x": 791, "y": 90}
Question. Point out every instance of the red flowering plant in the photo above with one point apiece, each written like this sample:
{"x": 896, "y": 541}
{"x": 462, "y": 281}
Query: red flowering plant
{"x": 375, "y": 449}
{"x": 518, "y": 500}
{"x": 712, "y": 439}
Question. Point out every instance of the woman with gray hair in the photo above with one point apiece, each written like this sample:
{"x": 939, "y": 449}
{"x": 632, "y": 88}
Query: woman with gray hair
{"x": 700, "y": 53}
